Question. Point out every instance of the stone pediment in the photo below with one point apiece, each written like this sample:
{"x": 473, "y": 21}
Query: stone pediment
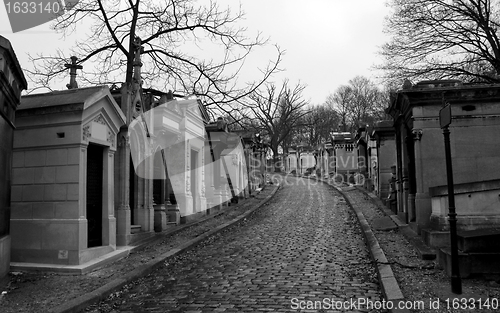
{"x": 101, "y": 118}
{"x": 99, "y": 130}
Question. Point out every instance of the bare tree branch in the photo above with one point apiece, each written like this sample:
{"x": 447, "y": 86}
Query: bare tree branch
{"x": 358, "y": 103}
{"x": 175, "y": 34}
{"x": 440, "y": 39}
{"x": 275, "y": 112}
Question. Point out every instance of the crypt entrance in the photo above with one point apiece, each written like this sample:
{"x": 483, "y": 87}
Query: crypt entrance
{"x": 94, "y": 195}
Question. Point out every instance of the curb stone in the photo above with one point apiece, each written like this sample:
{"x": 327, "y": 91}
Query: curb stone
{"x": 424, "y": 252}
{"x": 388, "y": 282}
{"x": 101, "y": 293}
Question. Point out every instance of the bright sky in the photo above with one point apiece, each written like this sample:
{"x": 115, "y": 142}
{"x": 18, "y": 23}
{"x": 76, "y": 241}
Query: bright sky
{"x": 327, "y": 42}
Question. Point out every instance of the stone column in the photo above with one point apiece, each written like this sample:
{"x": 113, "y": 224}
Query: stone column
{"x": 216, "y": 169}
{"x": 109, "y": 220}
{"x": 148, "y": 203}
{"x": 122, "y": 175}
{"x": 145, "y": 211}
{"x": 416, "y": 134}
{"x": 399, "y": 174}
{"x": 201, "y": 166}
{"x": 160, "y": 216}
{"x": 82, "y": 199}
{"x": 405, "y": 177}
{"x": 173, "y": 212}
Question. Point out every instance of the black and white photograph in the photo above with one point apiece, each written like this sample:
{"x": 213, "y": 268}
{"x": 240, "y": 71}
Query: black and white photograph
{"x": 199, "y": 156}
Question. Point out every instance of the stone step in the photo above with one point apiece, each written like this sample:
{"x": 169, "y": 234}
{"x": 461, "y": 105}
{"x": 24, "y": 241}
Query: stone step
{"x": 134, "y": 229}
{"x": 424, "y": 252}
{"x": 479, "y": 240}
{"x": 470, "y": 263}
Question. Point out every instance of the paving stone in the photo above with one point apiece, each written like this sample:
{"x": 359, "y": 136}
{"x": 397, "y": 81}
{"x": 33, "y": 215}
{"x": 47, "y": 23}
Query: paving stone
{"x": 304, "y": 245}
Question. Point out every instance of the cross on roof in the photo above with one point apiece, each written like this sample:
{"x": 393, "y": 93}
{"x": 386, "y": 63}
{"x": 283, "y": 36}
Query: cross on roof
{"x": 72, "y": 72}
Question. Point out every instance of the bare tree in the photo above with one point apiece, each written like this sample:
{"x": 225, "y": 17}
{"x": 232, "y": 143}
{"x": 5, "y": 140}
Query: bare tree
{"x": 318, "y": 124}
{"x": 358, "y": 103}
{"x": 276, "y": 112}
{"x": 442, "y": 39}
{"x": 172, "y": 35}
{"x": 341, "y": 101}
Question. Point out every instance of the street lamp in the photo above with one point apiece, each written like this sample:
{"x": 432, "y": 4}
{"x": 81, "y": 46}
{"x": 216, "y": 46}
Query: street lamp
{"x": 445, "y": 121}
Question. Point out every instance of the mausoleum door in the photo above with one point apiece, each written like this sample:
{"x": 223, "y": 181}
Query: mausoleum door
{"x": 94, "y": 195}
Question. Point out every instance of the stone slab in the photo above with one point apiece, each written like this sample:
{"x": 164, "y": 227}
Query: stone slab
{"x": 479, "y": 240}
{"x": 73, "y": 269}
{"x": 398, "y": 221}
{"x": 384, "y": 223}
{"x": 444, "y": 260}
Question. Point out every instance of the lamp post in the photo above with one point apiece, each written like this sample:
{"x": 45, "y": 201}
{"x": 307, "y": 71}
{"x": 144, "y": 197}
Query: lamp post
{"x": 445, "y": 121}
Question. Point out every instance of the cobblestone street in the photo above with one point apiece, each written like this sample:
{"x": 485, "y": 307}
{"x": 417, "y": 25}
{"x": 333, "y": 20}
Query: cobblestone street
{"x": 304, "y": 246}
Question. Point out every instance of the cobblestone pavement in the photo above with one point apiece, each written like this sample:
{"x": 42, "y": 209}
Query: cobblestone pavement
{"x": 304, "y": 246}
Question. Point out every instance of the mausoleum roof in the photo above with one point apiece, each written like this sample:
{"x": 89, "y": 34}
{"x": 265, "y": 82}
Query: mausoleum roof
{"x": 58, "y": 98}
{"x": 5, "y": 44}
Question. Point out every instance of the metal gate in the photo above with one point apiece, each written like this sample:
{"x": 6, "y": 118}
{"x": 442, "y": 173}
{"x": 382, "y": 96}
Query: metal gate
{"x": 94, "y": 195}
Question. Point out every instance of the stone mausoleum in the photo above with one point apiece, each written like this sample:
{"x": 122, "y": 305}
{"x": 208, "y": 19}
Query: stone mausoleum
{"x": 475, "y": 149}
{"x": 345, "y": 156}
{"x": 63, "y": 176}
{"x": 421, "y": 178}
{"x": 12, "y": 82}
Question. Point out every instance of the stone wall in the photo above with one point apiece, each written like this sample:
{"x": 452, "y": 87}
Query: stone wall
{"x": 477, "y": 205}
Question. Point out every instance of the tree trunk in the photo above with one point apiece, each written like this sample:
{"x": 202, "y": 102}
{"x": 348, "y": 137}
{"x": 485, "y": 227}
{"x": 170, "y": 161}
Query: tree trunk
{"x": 276, "y": 161}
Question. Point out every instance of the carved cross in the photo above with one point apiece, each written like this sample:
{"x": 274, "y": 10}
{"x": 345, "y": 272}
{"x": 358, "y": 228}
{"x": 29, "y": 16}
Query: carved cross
{"x": 72, "y": 73}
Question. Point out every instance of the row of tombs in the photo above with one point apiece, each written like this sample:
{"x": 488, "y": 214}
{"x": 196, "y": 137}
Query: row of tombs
{"x": 402, "y": 159}
{"x": 83, "y": 183}
{"x": 89, "y": 173}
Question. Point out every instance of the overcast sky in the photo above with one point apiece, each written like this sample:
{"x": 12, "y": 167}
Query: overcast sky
{"x": 327, "y": 42}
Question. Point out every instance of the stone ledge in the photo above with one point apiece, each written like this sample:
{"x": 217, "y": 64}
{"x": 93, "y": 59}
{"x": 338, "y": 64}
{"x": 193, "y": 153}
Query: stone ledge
{"x": 466, "y": 187}
{"x": 72, "y": 269}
